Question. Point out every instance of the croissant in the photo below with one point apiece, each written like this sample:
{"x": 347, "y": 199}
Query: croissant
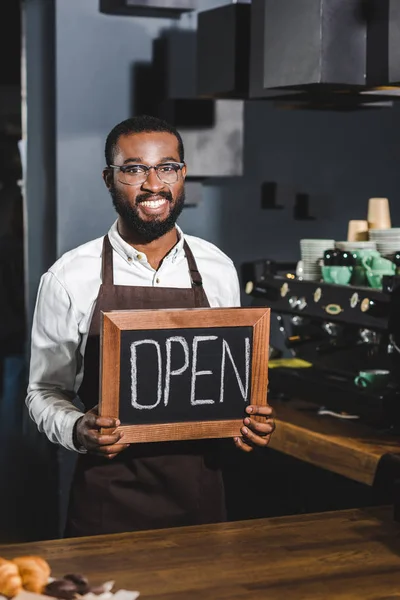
{"x": 34, "y": 572}
{"x": 10, "y": 579}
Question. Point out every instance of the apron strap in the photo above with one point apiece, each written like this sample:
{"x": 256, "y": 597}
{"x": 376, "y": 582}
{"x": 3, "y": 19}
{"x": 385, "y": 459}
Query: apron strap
{"x": 194, "y": 272}
{"x": 200, "y": 299}
{"x": 107, "y": 270}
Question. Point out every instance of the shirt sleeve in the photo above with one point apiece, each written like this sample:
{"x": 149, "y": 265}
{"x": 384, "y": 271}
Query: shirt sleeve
{"x": 54, "y": 363}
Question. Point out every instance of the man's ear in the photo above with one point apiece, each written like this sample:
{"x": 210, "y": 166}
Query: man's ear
{"x": 184, "y": 171}
{"x": 108, "y": 177}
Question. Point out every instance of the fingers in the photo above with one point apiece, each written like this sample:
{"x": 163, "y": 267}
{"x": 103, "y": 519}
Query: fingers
{"x": 253, "y": 439}
{"x": 106, "y": 445}
{"x": 260, "y": 428}
{"x": 263, "y": 411}
{"x": 242, "y": 445}
{"x": 102, "y": 439}
{"x": 109, "y": 452}
{"x": 107, "y": 422}
{"x": 93, "y": 421}
{"x": 256, "y": 433}
{"x": 98, "y": 434}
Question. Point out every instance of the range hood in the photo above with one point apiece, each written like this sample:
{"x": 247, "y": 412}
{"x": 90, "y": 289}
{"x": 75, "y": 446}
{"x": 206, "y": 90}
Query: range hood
{"x": 300, "y": 50}
{"x": 306, "y": 44}
{"x": 325, "y": 54}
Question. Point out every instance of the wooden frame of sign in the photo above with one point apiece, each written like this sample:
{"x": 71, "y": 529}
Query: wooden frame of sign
{"x": 115, "y": 323}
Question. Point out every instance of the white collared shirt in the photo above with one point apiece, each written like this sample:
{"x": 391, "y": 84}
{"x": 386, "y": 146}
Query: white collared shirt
{"x": 64, "y": 307}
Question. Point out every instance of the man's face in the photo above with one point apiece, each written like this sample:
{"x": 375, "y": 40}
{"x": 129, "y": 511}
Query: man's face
{"x": 151, "y": 208}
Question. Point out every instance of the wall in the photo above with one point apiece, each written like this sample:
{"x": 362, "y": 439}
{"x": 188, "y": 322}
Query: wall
{"x": 340, "y": 159}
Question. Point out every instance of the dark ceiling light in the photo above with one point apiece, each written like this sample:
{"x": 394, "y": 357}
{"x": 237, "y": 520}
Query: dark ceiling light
{"x": 305, "y": 44}
{"x": 147, "y": 8}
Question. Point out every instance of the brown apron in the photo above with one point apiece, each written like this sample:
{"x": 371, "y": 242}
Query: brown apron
{"x": 152, "y": 485}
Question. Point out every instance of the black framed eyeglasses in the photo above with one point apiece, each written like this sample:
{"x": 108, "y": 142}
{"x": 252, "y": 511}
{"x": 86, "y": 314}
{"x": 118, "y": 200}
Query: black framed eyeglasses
{"x": 137, "y": 174}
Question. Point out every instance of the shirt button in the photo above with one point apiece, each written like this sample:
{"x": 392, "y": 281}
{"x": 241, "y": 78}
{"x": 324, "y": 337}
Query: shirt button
{"x": 139, "y": 256}
{"x": 157, "y": 280}
{"x": 129, "y": 258}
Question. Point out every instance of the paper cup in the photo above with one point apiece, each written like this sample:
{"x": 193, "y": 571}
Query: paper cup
{"x": 379, "y": 213}
{"x": 357, "y": 231}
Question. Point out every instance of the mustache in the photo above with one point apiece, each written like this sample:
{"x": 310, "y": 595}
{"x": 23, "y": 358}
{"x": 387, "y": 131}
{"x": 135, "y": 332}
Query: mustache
{"x": 148, "y": 196}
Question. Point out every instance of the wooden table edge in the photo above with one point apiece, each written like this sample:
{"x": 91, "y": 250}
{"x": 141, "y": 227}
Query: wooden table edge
{"x": 354, "y": 457}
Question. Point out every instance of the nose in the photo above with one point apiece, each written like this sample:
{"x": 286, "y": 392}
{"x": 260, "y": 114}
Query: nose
{"x": 152, "y": 183}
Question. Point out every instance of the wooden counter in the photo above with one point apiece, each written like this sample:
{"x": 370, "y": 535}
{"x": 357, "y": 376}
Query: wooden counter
{"x": 344, "y": 447}
{"x": 340, "y": 555}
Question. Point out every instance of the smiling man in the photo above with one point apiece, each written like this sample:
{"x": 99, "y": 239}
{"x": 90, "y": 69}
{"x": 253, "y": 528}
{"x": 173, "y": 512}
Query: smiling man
{"x": 145, "y": 261}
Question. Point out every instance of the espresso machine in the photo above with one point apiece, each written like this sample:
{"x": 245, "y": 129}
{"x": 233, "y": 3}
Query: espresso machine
{"x": 340, "y": 330}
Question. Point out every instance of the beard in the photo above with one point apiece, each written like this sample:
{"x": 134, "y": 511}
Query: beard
{"x": 148, "y": 230}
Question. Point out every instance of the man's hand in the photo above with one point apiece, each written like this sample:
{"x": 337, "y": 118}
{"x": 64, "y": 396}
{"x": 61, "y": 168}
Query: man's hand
{"x": 87, "y": 434}
{"x": 253, "y": 432}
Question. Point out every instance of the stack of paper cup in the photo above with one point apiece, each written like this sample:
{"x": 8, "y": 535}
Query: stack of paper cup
{"x": 379, "y": 213}
{"x": 387, "y": 241}
{"x": 312, "y": 253}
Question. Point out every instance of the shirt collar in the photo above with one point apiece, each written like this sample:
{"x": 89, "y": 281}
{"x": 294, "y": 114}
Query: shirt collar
{"x": 129, "y": 253}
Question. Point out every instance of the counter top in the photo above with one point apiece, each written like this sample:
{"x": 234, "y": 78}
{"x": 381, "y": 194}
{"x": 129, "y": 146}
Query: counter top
{"x": 341, "y": 555}
{"x": 348, "y": 448}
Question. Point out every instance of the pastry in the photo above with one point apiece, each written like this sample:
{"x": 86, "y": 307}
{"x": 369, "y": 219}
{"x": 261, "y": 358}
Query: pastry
{"x": 10, "y": 579}
{"x": 34, "y": 572}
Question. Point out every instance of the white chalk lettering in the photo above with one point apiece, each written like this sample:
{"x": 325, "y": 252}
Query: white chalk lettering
{"x": 168, "y": 372}
{"x": 196, "y": 340}
{"x": 134, "y": 377}
{"x": 227, "y": 351}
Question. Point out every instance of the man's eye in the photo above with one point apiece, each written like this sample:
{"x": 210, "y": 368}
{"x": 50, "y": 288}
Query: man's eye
{"x": 167, "y": 168}
{"x": 134, "y": 170}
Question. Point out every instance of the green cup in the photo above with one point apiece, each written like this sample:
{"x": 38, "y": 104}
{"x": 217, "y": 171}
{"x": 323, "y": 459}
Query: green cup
{"x": 375, "y": 268}
{"x": 364, "y": 256}
{"x": 326, "y": 274}
{"x": 372, "y": 378}
{"x": 383, "y": 265}
{"x": 340, "y": 275}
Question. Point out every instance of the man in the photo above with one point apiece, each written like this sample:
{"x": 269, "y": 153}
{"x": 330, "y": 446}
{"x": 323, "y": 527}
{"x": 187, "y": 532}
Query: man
{"x": 145, "y": 261}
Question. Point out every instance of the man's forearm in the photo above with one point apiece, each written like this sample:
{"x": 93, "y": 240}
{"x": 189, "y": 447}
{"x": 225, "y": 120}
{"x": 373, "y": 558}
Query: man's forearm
{"x": 54, "y": 415}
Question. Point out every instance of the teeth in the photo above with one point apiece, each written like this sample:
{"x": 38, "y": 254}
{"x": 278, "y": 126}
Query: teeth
{"x": 153, "y": 203}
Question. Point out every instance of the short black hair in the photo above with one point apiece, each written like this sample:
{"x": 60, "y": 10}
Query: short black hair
{"x": 139, "y": 124}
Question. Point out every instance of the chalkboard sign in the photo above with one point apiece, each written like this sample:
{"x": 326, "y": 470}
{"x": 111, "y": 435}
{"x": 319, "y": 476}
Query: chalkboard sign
{"x": 180, "y": 374}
